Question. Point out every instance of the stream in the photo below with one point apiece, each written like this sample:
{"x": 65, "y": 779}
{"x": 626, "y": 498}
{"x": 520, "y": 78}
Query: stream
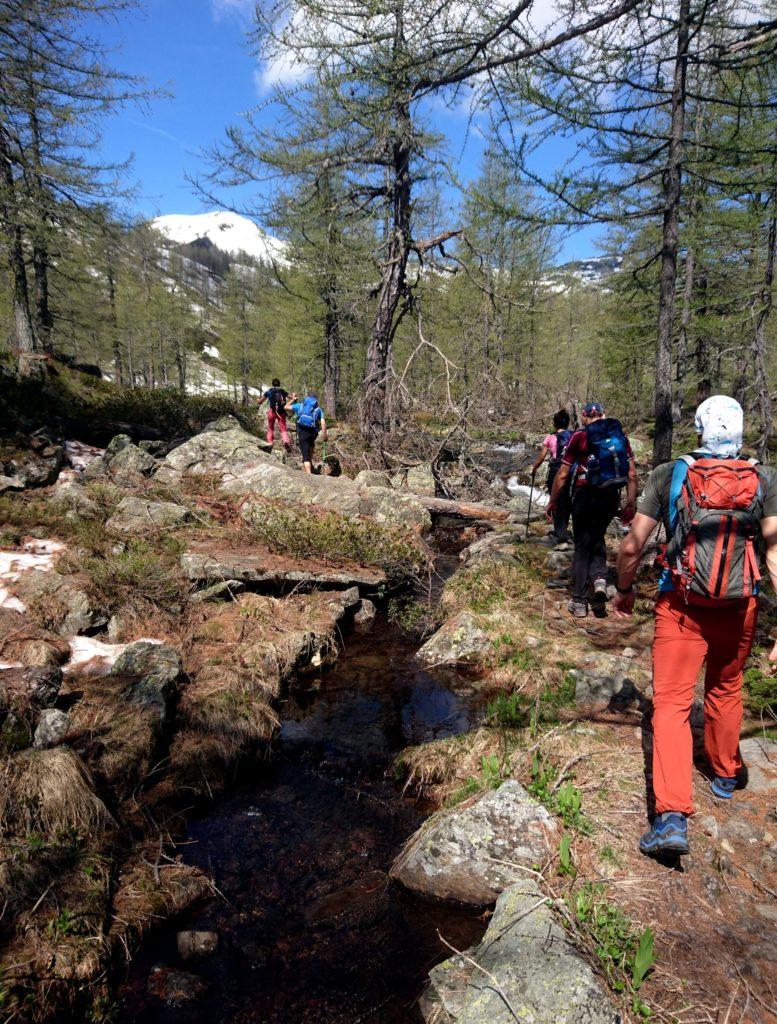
{"x": 310, "y": 929}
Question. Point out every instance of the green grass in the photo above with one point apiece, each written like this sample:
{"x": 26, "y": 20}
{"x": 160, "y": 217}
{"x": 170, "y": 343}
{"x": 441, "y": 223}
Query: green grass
{"x": 490, "y": 586}
{"x": 334, "y": 538}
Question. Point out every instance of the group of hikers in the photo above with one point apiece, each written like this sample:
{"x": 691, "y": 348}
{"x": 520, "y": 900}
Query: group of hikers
{"x": 718, "y": 510}
{"x": 719, "y": 513}
{"x": 309, "y": 415}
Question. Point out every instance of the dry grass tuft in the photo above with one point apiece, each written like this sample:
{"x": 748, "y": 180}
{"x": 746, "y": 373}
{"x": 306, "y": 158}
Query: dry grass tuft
{"x": 50, "y": 791}
{"x": 438, "y": 768}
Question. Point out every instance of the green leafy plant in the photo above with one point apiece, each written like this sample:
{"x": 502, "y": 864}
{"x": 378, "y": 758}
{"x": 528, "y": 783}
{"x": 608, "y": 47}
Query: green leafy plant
{"x": 568, "y": 803}
{"x": 566, "y": 865}
{"x": 61, "y": 925}
{"x": 492, "y": 771}
{"x": 626, "y": 956}
{"x": 760, "y": 692}
{"x": 507, "y": 710}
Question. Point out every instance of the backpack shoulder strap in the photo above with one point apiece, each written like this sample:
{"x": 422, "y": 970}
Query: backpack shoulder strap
{"x": 679, "y": 476}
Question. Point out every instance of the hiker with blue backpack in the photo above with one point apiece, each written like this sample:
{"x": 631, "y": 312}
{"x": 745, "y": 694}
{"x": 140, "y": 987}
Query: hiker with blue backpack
{"x": 310, "y": 422}
{"x": 600, "y": 459}
{"x": 720, "y": 515}
{"x": 554, "y": 445}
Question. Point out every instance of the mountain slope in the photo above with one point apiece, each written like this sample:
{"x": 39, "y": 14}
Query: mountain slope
{"x": 229, "y": 232}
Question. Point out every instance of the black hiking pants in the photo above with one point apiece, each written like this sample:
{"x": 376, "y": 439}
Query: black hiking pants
{"x": 563, "y": 505}
{"x": 593, "y": 509}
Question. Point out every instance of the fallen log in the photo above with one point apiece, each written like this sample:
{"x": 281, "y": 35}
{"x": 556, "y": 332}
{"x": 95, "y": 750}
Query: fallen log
{"x": 462, "y": 509}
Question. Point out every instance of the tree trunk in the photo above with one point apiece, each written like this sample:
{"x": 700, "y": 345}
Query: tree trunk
{"x": 682, "y": 338}
{"x": 118, "y": 368}
{"x": 703, "y": 359}
{"x": 331, "y": 350}
{"x": 374, "y": 423}
{"x": 24, "y": 338}
{"x": 44, "y": 322}
{"x": 180, "y": 363}
{"x": 662, "y": 441}
{"x": 759, "y": 340}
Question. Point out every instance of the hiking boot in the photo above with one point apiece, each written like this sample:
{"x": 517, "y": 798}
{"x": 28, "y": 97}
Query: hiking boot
{"x": 600, "y": 589}
{"x": 549, "y": 541}
{"x": 578, "y": 608}
{"x": 668, "y": 834}
{"x": 722, "y": 787}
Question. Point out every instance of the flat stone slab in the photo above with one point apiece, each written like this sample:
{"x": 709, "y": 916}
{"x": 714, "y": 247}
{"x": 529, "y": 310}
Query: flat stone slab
{"x": 473, "y": 853}
{"x": 206, "y": 569}
{"x": 542, "y": 975}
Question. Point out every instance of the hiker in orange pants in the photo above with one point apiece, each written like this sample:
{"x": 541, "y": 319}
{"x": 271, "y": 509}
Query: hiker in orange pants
{"x": 719, "y": 512}
{"x": 687, "y": 635}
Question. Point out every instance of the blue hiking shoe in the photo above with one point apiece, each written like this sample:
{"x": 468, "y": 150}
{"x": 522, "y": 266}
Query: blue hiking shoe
{"x": 668, "y": 834}
{"x": 722, "y": 787}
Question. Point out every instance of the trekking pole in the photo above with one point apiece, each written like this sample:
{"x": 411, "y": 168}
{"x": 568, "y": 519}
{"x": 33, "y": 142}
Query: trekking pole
{"x": 531, "y": 495}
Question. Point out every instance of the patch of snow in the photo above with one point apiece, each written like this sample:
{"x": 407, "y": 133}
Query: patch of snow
{"x": 540, "y": 498}
{"x": 4, "y": 665}
{"x": 94, "y": 658}
{"x": 37, "y": 556}
{"x": 212, "y": 351}
{"x": 519, "y": 446}
{"x": 80, "y": 455}
{"x": 229, "y": 232}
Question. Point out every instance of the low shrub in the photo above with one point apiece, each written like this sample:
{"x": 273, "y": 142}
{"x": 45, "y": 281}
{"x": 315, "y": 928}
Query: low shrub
{"x": 334, "y": 538}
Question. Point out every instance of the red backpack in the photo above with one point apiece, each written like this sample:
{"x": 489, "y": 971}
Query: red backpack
{"x": 715, "y": 512}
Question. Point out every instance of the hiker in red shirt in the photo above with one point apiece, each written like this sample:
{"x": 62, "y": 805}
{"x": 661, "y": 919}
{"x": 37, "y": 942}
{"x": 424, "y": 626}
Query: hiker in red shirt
{"x": 276, "y": 399}
{"x": 720, "y": 513}
{"x": 602, "y": 461}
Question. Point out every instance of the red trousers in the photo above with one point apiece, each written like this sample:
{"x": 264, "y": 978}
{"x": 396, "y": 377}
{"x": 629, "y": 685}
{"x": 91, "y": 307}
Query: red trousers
{"x": 279, "y": 418}
{"x": 686, "y": 636}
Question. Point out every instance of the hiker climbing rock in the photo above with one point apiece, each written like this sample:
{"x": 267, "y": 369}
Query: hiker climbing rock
{"x": 310, "y": 422}
{"x": 602, "y": 461}
{"x": 276, "y": 399}
{"x": 720, "y": 512}
{"x": 554, "y": 445}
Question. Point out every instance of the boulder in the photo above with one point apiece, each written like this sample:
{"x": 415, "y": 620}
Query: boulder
{"x": 420, "y": 480}
{"x": 117, "y": 444}
{"x": 760, "y": 756}
{"x": 608, "y": 679}
{"x": 266, "y": 569}
{"x": 460, "y": 641}
{"x": 51, "y": 729}
{"x": 559, "y": 563}
{"x": 519, "y": 503}
{"x": 72, "y": 495}
{"x": 175, "y": 988}
{"x": 530, "y": 970}
{"x": 223, "y": 447}
{"x": 372, "y": 478}
{"x": 473, "y": 853}
{"x": 136, "y": 515}
{"x": 154, "y": 671}
{"x": 61, "y": 601}
{"x": 130, "y": 465}
{"x": 365, "y": 616}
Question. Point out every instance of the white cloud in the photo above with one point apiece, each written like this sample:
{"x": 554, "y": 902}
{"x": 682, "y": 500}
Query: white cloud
{"x": 224, "y": 8}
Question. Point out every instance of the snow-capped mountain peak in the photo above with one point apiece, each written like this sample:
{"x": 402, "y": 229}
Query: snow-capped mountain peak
{"x": 229, "y": 232}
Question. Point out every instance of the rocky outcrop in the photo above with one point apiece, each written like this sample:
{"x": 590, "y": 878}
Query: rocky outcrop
{"x": 61, "y": 602}
{"x": 52, "y": 728}
{"x": 340, "y": 495}
{"x": 223, "y": 448}
{"x": 123, "y": 462}
{"x": 473, "y": 853}
{"x": 460, "y": 641}
{"x": 208, "y": 569}
{"x": 528, "y": 970}
{"x": 72, "y": 495}
{"x": 135, "y": 515}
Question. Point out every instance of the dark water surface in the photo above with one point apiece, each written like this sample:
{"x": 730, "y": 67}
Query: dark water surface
{"x": 310, "y": 929}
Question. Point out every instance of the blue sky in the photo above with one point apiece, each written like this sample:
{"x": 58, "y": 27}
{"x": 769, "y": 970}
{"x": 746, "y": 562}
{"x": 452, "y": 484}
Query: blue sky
{"x": 196, "y": 50}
